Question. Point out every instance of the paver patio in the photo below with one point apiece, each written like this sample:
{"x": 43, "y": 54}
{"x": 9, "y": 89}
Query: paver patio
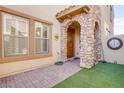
{"x": 42, "y": 77}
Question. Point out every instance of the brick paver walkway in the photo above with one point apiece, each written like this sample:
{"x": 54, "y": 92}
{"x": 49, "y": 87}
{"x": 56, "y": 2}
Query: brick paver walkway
{"x": 42, "y": 77}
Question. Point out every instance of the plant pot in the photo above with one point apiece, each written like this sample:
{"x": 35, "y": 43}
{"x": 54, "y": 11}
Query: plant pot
{"x": 59, "y": 63}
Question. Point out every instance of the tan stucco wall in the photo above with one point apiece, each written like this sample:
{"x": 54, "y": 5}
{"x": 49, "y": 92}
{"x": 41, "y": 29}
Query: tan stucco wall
{"x": 105, "y": 23}
{"x": 44, "y": 12}
{"x": 114, "y": 55}
{"x": 21, "y": 66}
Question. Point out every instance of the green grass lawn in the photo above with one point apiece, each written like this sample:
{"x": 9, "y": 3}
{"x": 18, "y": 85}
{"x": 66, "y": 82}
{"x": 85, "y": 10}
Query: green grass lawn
{"x": 103, "y": 75}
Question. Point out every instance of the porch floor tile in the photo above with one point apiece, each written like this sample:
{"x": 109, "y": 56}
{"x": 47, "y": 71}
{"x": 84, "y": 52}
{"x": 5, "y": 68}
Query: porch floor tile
{"x": 42, "y": 77}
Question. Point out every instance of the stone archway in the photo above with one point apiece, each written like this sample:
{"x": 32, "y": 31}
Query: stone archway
{"x": 97, "y": 42}
{"x": 87, "y": 39}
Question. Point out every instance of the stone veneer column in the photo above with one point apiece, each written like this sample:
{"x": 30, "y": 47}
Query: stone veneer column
{"x": 87, "y": 42}
{"x": 63, "y": 43}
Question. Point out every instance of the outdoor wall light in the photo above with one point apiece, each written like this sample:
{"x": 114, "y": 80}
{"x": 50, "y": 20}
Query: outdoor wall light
{"x": 56, "y": 37}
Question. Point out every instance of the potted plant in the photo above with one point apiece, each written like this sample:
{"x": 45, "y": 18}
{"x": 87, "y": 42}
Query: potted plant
{"x": 59, "y": 62}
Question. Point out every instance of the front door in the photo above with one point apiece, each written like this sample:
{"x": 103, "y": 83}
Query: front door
{"x": 70, "y": 42}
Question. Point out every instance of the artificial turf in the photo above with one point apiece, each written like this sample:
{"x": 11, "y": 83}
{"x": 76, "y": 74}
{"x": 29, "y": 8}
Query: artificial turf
{"x": 103, "y": 75}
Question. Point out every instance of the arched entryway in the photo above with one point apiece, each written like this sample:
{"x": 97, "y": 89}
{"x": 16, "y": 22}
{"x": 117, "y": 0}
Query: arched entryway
{"x": 73, "y": 40}
{"x": 97, "y": 42}
{"x": 84, "y": 18}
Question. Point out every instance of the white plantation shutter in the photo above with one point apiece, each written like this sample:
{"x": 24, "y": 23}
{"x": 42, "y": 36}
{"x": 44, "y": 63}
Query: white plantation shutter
{"x": 15, "y": 33}
{"x": 41, "y": 38}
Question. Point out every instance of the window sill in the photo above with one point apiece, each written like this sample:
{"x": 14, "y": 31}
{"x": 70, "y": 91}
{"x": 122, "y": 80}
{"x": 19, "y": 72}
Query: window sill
{"x": 23, "y": 58}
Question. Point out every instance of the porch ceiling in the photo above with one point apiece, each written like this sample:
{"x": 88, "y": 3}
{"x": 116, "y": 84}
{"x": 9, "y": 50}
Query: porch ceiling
{"x": 72, "y": 11}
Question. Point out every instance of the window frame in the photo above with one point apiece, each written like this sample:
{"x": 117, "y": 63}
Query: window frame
{"x": 16, "y": 36}
{"x": 31, "y": 53}
{"x": 41, "y": 38}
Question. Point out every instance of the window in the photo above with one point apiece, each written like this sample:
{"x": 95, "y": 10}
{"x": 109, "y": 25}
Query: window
{"x": 41, "y": 38}
{"x": 15, "y": 31}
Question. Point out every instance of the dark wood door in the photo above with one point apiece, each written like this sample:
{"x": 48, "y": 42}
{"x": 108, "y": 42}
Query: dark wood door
{"x": 70, "y": 43}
